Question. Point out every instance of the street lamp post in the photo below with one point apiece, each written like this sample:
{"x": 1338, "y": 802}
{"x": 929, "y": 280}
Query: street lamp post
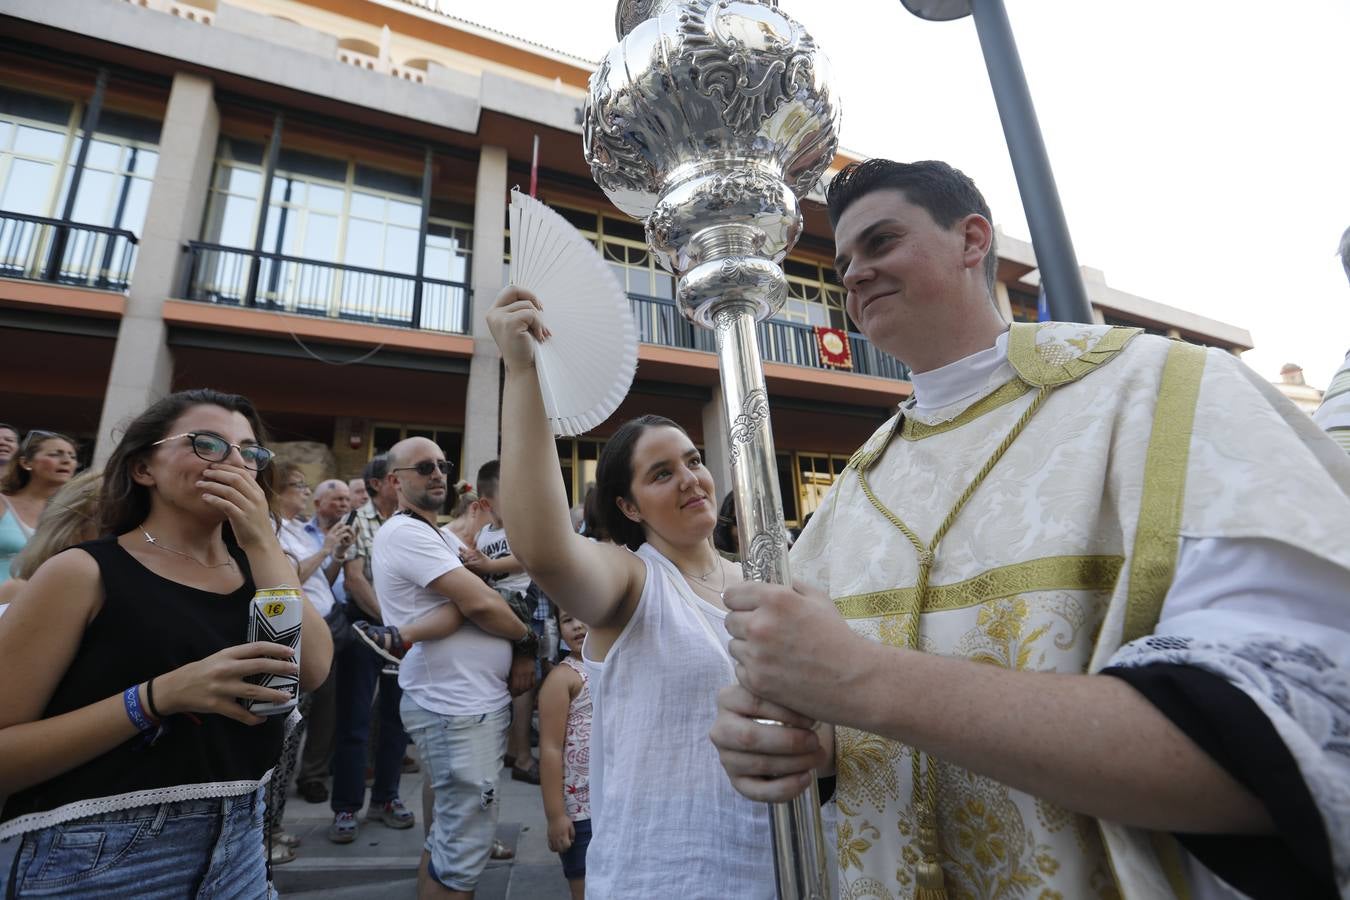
{"x": 1060, "y": 277}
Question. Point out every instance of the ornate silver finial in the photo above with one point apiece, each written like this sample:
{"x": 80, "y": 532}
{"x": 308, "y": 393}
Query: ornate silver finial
{"x": 708, "y": 121}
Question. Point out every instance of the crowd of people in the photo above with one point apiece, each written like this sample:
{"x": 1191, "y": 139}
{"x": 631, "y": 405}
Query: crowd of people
{"x": 1039, "y": 642}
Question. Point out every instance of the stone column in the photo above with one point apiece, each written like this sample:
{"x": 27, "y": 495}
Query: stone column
{"x": 142, "y": 368}
{"x": 716, "y": 455}
{"x": 482, "y": 408}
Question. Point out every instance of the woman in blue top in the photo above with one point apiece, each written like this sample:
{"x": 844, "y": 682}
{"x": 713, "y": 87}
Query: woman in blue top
{"x": 45, "y": 461}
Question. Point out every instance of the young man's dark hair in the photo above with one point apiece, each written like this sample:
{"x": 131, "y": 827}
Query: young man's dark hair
{"x": 489, "y": 475}
{"x": 946, "y": 193}
{"x": 375, "y": 470}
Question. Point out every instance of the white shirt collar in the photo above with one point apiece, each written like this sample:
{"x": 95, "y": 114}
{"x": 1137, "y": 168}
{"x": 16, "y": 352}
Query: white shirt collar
{"x": 962, "y": 380}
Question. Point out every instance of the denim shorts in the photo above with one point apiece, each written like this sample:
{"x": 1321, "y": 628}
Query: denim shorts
{"x": 461, "y": 756}
{"x": 574, "y": 857}
{"x": 167, "y": 851}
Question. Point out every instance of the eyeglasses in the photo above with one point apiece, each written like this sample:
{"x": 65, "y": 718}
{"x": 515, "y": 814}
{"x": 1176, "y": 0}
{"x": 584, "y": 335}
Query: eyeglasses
{"x": 214, "y": 448}
{"x": 298, "y": 485}
{"x": 427, "y": 466}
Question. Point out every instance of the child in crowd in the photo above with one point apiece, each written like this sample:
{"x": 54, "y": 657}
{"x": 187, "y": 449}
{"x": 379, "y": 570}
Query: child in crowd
{"x": 495, "y": 564}
{"x": 564, "y": 757}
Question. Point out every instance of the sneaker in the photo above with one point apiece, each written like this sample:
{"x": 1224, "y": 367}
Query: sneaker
{"x": 343, "y": 829}
{"x": 393, "y": 814}
{"x": 383, "y": 639}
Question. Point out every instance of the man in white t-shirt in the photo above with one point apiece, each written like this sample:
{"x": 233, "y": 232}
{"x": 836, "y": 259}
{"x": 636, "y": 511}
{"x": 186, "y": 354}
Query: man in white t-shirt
{"x": 455, "y": 677}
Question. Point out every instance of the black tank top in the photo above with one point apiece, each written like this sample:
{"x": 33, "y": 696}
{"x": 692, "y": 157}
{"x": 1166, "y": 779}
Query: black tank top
{"x": 149, "y": 626}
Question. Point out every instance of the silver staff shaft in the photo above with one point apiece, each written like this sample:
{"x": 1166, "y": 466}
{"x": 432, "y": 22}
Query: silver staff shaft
{"x": 798, "y": 841}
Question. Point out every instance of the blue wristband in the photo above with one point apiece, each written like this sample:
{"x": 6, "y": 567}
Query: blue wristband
{"x": 131, "y": 699}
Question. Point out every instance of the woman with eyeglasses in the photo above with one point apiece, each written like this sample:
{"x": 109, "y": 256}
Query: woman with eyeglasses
{"x": 44, "y": 461}
{"x": 130, "y": 765}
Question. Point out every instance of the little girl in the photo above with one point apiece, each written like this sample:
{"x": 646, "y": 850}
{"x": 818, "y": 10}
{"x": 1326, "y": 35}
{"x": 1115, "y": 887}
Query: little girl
{"x": 564, "y": 757}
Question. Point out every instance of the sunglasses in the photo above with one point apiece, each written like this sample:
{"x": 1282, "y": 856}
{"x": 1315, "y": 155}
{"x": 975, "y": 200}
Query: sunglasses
{"x": 214, "y": 448}
{"x": 37, "y": 436}
{"x": 426, "y": 467}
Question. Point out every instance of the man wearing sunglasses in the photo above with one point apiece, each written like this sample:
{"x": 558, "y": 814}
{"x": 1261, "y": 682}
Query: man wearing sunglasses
{"x": 456, "y": 679}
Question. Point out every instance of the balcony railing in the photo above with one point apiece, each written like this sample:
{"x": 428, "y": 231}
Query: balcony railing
{"x": 235, "y": 277}
{"x": 660, "y": 322}
{"x": 36, "y": 248}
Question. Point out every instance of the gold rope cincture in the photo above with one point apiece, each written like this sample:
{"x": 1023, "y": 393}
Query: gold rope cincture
{"x": 928, "y": 877}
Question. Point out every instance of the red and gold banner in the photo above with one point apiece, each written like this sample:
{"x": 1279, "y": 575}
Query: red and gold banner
{"x": 833, "y": 346}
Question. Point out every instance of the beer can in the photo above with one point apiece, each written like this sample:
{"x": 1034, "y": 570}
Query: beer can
{"x": 275, "y": 616}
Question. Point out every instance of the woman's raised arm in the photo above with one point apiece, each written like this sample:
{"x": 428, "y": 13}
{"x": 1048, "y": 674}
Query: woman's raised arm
{"x": 597, "y": 583}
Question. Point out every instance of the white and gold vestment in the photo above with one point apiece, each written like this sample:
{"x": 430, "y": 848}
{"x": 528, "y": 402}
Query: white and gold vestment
{"x": 1060, "y": 493}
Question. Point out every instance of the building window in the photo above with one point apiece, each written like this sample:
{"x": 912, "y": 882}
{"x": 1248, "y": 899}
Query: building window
{"x": 578, "y": 458}
{"x": 814, "y": 296}
{"x": 816, "y": 473}
{"x": 39, "y": 144}
{"x": 343, "y": 212}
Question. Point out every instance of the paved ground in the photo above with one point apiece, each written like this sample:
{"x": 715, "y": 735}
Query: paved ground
{"x": 382, "y": 862}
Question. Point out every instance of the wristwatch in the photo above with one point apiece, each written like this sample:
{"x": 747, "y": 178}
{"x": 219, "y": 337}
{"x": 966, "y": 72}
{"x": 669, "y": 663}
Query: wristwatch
{"x": 527, "y": 645}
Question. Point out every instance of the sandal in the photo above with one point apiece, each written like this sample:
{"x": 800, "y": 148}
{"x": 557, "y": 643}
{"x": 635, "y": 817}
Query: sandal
{"x": 501, "y": 851}
{"x": 280, "y": 854}
{"x": 285, "y": 838}
{"x": 529, "y": 775}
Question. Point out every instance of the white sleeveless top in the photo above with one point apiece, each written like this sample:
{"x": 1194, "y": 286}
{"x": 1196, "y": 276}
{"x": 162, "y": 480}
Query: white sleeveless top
{"x": 665, "y": 820}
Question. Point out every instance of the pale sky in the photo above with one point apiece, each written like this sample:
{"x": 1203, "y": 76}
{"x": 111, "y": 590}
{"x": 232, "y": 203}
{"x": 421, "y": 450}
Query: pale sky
{"x": 1201, "y": 147}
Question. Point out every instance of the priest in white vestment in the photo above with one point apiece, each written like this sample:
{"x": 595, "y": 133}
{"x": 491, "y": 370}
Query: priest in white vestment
{"x": 1075, "y": 614}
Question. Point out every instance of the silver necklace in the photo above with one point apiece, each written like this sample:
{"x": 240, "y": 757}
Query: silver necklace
{"x": 153, "y": 541}
{"x": 717, "y": 565}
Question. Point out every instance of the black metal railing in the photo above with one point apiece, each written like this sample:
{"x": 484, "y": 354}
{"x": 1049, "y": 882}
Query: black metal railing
{"x": 659, "y": 322}
{"x": 36, "y": 248}
{"x": 235, "y": 277}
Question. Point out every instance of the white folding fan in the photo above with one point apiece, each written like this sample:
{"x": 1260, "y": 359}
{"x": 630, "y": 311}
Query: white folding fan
{"x": 586, "y": 367}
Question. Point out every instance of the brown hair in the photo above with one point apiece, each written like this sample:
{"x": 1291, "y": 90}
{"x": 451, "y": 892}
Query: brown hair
{"x": 614, "y": 479}
{"x": 125, "y": 503}
{"x": 16, "y": 477}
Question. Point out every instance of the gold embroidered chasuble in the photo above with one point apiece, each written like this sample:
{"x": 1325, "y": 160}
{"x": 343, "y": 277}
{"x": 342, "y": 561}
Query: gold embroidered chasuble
{"x": 1063, "y": 551}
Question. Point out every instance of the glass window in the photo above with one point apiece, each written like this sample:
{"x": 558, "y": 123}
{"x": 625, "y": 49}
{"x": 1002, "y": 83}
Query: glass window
{"x": 580, "y": 219}
{"x": 32, "y": 106}
{"x": 367, "y": 205}
{"x": 342, "y": 211}
{"x": 27, "y": 187}
{"x": 103, "y": 155}
{"x": 298, "y": 162}
{"x": 386, "y": 182}
{"x": 133, "y": 128}
{"x": 32, "y": 141}
{"x": 815, "y": 474}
